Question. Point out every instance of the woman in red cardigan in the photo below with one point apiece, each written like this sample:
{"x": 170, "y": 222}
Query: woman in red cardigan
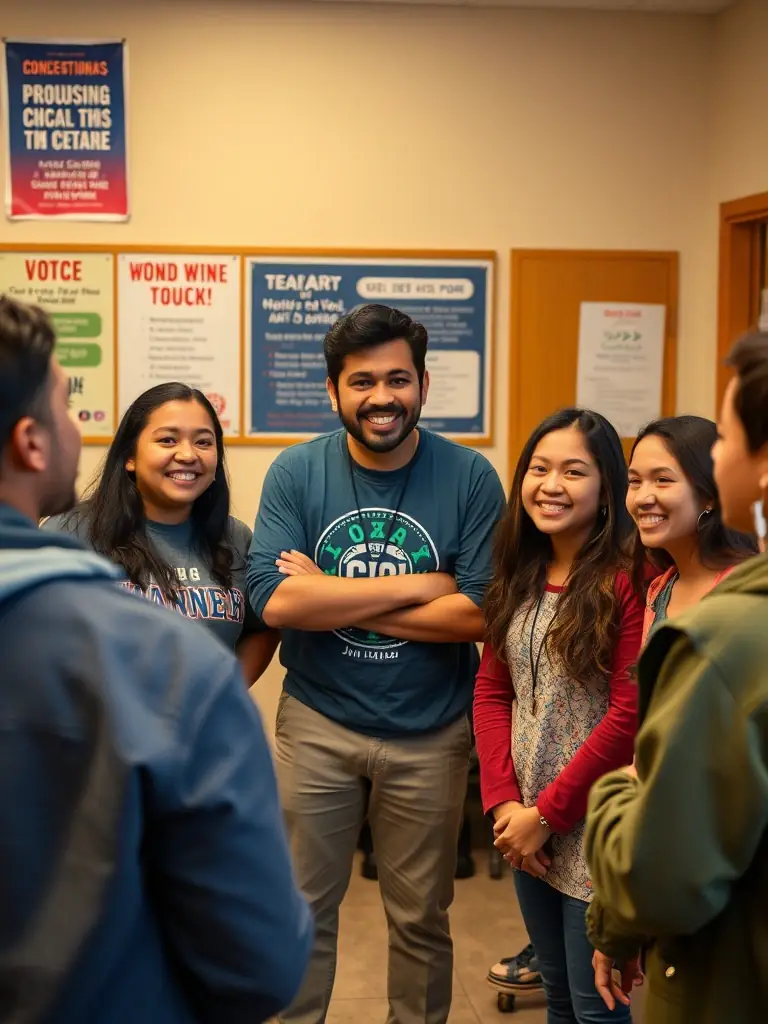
{"x": 564, "y": 626}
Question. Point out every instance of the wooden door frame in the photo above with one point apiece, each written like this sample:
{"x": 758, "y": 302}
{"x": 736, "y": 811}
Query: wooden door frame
{"x": 739, "y": 263}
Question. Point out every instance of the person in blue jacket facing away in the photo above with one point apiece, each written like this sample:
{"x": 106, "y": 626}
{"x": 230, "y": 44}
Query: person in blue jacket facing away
{"x": 372, "y": 553}
{"x": 144, "y": 872}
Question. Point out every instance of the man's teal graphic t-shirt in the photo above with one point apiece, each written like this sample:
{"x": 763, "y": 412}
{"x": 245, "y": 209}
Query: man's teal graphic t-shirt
{"x": 445, "y": 505}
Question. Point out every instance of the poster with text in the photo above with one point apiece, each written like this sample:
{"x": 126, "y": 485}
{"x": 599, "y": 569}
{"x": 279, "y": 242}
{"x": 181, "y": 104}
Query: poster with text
{"x": 621, "y": 354}
{"x": 77, "y": 291}
{"x": 179, "y": 320}
{"x": 64, "y": 106}
{"x": 292, "y": 301}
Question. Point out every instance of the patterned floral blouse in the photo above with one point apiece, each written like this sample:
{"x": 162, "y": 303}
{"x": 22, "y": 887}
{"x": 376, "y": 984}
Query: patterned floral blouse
{"x": 566, "y": 733}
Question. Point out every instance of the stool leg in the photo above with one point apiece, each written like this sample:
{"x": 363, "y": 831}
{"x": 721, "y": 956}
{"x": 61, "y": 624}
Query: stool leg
{"x": 465, "y": 865}
{"x": 369, "y": 869}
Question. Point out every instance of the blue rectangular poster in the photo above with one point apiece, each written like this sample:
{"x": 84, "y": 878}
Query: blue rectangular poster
{"x": 65, "y": 116}
{"x": 294, "y": 300}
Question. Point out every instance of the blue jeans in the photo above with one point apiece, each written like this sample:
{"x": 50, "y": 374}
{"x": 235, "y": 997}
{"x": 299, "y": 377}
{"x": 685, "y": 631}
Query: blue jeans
{"x": 558, "y": 930}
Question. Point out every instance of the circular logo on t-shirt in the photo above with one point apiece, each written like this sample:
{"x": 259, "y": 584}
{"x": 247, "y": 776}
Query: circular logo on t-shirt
{"x": 353, "y": 547}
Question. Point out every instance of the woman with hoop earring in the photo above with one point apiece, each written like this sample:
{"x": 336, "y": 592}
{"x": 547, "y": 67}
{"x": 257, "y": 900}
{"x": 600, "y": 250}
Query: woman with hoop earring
{"x": 673, "y": 500}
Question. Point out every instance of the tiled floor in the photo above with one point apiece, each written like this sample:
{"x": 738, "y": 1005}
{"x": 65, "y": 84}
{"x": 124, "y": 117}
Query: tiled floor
{"x": 486, "y": 925}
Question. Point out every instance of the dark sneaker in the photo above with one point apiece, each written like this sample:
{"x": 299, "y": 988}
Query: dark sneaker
{"x": 517, "y": 973}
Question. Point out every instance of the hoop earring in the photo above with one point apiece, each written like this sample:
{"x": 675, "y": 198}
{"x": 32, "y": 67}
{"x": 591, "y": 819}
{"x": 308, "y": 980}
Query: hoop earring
{"x": 758, "y": 514}
{"x": 705, "y": 512}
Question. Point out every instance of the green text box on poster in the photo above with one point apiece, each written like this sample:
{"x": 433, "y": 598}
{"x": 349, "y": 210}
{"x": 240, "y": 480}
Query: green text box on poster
{"x": 71, "y": 355}
{"x": 77, "y": 325}
{"x": 77, "y": 291}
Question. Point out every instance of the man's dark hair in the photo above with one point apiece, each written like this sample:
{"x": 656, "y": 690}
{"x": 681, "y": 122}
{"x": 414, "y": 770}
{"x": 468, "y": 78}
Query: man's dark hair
{"x": 749, "y": 358}
{"x": 27, "y": 340}
{"x": 371, "y": 325}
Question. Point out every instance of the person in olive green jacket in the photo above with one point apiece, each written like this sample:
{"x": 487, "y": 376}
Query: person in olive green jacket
{"x": 679, "y": 851}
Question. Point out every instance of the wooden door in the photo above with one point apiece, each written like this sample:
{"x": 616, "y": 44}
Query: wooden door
{"x": 548, "y": 287}
{"x": 743, "y": 274}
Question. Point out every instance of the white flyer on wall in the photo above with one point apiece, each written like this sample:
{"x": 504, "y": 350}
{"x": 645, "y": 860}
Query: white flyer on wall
{"x": 621, "y": 357}
{"x": 179, "y": 320}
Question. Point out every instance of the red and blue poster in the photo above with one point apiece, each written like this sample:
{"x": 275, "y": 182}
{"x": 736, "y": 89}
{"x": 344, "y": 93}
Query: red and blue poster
{"x": 65, "y": 115}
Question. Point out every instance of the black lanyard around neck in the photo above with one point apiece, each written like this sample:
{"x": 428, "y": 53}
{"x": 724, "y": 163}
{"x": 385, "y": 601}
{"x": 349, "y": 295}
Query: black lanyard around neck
{"x": 534, "y": 662}
{"x": 391, "y": 527}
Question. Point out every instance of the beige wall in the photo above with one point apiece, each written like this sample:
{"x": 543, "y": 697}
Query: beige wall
{"x": 293, "y": 123}
{"x": 307, "y": 124}
{"x": 739, "y": 131}
{"x": 736, "y": 165}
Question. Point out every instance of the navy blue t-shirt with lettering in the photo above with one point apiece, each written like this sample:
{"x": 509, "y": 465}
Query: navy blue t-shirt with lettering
{"x": 375, "y": 684}
{"x": 224, "y": 610}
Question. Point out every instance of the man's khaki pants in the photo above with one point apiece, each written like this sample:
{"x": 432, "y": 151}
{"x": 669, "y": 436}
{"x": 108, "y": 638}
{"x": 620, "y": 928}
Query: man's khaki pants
{"x": 415, "y": 811}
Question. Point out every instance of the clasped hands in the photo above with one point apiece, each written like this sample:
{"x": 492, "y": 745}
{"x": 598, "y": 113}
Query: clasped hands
{"x": 520, "y": 835}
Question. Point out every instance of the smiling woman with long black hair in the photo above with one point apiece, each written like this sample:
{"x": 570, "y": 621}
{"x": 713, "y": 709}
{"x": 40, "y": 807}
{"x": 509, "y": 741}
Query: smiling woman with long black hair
{"x": 160, "y": 509}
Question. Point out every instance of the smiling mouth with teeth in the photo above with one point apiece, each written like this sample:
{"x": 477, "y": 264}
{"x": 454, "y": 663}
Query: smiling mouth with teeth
{"x": 382, "y": 421}
{"x": 651, "y": 520}
{"x": 184, "y": 477}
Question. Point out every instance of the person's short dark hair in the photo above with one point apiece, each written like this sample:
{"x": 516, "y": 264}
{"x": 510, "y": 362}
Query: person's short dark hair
{"x": 27, "y": 341}
{"x": 370, "y": 325}
{"x": 749, "y": 358}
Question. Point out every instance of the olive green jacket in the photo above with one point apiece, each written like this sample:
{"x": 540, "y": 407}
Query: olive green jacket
{"x": 679, "y": 856}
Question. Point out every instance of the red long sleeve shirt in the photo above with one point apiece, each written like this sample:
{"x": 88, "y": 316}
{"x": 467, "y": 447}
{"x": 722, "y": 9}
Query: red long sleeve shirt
{"x": 609, "y": 746}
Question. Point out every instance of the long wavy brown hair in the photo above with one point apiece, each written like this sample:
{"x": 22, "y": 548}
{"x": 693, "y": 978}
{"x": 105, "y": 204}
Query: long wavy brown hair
{"x": 585, "y": 628}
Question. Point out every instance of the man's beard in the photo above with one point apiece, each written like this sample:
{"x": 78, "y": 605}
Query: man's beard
{"x": 354, "y": 425}
{"x": 63, "y": 495}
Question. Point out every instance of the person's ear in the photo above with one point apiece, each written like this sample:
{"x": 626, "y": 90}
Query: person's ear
{"x": 425, "y": 387}
{"x": 29, "y": 445}
{"x": 332, "y": 395}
